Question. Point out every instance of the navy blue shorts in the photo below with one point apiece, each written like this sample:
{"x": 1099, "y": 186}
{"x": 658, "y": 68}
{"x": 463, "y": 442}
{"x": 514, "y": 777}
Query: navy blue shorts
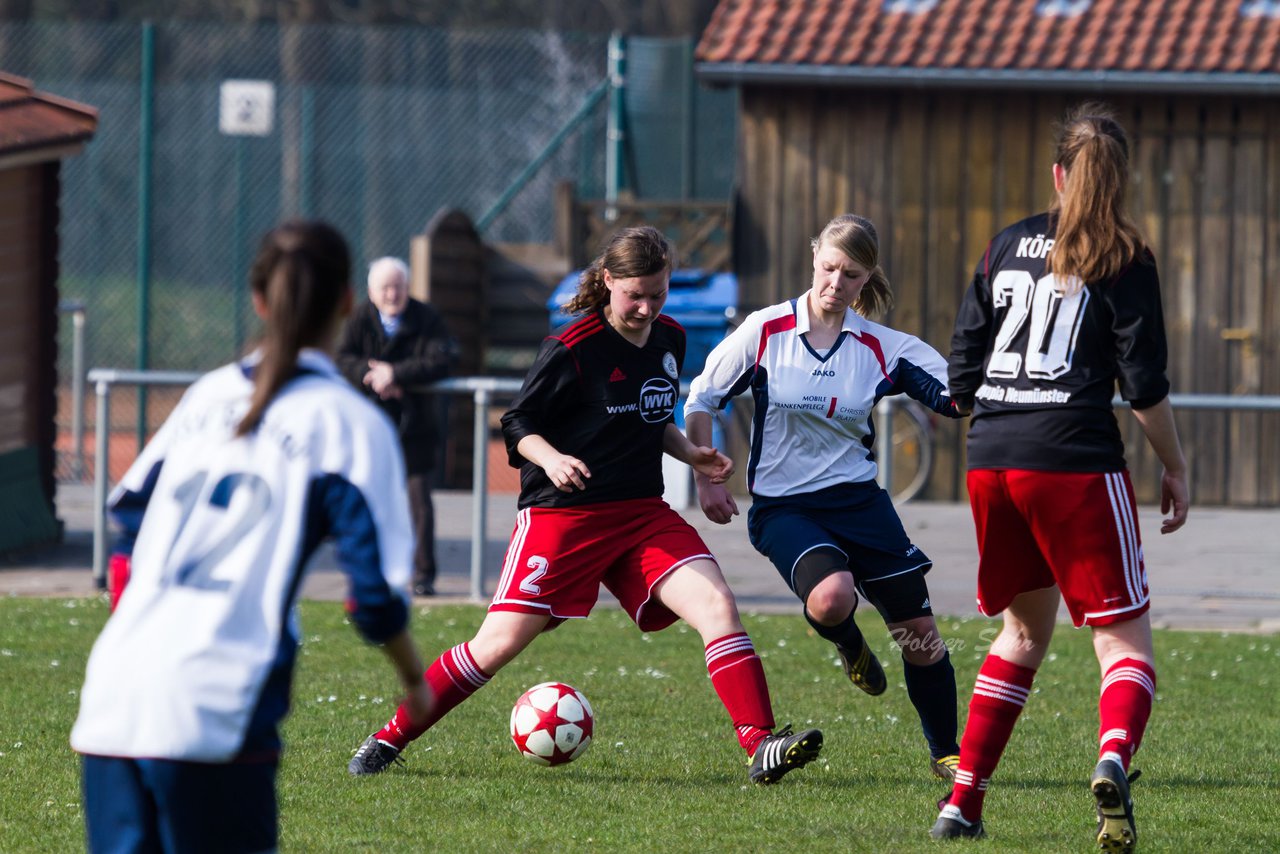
{"x": 856, "y": 519}
{"x": 159, "y": 805}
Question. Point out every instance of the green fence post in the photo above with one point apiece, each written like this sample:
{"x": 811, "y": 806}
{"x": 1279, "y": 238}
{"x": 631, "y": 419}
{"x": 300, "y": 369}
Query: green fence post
{"x": 306, "y": 145}
{"x": 687, "y": 153}
{"x": 146, "y": 130}
{"x": 238, "y": 238}
{"x": 552, "y": 146}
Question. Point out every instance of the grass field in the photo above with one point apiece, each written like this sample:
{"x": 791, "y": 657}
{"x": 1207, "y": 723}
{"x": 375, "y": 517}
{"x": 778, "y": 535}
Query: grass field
{"x": 665, "y": 773}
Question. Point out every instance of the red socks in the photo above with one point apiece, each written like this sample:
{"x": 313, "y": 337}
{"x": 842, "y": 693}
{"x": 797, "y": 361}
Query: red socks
{"x": 738, "y": 678}
{"x": 453, "y": 677}
{"x": 998, "y": 696}
{"x": 1128, "y": 688}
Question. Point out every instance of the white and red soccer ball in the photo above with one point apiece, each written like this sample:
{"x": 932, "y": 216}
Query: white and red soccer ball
{"x": 551, "y": 724}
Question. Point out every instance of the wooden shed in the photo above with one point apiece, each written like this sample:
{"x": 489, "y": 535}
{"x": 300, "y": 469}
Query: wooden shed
{"x": 935, "y": 119}
{"x": 36, "y": 132}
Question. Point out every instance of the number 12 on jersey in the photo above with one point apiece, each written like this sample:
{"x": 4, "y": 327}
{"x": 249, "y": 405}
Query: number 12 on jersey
{"x": 198, "y": 570}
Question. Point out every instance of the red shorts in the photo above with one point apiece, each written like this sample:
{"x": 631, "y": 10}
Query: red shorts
{"x": 1076, "y": 530}
{"x": 559, "y": 557}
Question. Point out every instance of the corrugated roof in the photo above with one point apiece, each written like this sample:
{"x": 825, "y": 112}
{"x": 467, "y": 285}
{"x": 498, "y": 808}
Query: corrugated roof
{"x": 1212, "y": 43}
{"x": 31, "y": 120}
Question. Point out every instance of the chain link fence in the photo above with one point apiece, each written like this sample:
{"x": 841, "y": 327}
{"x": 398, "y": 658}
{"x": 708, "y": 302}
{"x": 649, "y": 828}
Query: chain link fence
{"x": 375, "y": 129}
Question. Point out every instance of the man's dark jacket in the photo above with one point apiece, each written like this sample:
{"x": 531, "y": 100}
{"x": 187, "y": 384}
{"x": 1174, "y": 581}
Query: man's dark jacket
{"x": 420, "y": 352}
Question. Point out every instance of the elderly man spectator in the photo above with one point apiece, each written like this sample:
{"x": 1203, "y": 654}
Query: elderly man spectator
{"x": 389, "y": 348}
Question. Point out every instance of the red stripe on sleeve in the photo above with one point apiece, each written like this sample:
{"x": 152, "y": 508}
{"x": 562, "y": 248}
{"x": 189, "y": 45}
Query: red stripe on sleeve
{"x": 772, "y": 327}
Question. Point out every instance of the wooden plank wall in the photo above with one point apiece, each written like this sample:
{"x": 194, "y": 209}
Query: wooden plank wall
{"x": 940, "y": 172}
{"x": 699, "y": 230}
{"x": 28, "y": 306}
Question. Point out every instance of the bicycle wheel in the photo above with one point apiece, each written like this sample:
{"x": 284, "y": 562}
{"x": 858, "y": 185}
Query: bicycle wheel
{"x": 903, "y": 426}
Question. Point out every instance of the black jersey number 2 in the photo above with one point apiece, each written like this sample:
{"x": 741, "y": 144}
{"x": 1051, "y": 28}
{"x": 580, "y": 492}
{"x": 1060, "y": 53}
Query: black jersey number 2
{"x": 197, "y": 571}
{"x": 1054, "y": 318}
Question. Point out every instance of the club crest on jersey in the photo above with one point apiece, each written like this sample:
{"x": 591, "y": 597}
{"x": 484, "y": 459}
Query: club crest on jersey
{"x": 669, "y": 365}
{"x": 657, "y": 400}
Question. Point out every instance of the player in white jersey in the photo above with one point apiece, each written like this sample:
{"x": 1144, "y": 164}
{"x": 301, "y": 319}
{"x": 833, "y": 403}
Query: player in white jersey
{"x": 260, "y": 461}
{"x": 816, "y": 367}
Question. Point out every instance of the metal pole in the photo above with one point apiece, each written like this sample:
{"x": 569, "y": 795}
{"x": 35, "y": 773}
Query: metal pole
{"x": 615, "y": 140}
{"x": 479, "y": 492}
{"x": 146, "y": 131}
{"x": 76, "y": 309}
{"x": 100, "y": 464}
{"x": 77, "y": 391}
{"x": 884, "y": 432}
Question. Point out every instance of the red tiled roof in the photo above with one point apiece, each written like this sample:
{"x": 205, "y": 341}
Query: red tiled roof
{"x": 31, "y": 120}
{"x": 988, "y": 39}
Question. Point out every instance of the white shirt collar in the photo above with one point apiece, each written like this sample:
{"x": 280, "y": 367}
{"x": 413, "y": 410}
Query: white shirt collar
{"x": 853, "y": 322}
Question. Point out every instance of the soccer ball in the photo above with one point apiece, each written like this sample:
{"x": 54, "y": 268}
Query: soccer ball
{"x": 551, "y": 724}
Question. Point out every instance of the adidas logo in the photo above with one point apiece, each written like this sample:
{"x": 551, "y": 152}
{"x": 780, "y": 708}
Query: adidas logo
{"x": 617, "y": 376}
{"x": 926, "y": 602}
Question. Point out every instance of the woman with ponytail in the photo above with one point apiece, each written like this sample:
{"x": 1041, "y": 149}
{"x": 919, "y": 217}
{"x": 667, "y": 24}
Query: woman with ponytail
{"x": 816, "y": 366}
{"x": 1064, "y": 307}
{"x": 587, "y": 431}
{"x": 261, "y": 460}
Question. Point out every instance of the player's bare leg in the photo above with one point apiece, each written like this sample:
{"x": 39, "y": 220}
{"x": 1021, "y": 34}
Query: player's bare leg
{"x": 1003, "y": 684}
{"x": 698, "y": 594}
{"x": 829, "y": 609}
{"x": 454, "y": 676}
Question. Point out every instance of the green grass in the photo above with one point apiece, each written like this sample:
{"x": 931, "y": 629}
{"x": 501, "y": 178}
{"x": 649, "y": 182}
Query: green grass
{"x": 665, "y": 773}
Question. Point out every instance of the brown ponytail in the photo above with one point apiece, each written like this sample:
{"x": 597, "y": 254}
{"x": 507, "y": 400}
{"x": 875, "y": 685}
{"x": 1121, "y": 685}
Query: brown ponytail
{"x": 856, "y": 237}
{"x": 302, "y": 273}
{"x": 630, "y": 253}
{"x": 1094, "y": 237}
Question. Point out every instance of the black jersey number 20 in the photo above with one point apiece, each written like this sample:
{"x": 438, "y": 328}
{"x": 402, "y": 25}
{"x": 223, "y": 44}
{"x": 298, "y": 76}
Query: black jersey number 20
{"x": 198, "y": 570}
{"x": 1054, "y": 317}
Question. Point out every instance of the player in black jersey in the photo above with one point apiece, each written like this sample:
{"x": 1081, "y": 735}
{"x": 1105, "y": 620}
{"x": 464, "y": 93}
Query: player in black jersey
{"x": 1063, "y": 307}
{"x": 588, "y": 431}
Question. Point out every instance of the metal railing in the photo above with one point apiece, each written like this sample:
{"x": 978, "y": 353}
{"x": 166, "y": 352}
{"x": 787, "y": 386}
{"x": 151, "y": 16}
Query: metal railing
{"x": 1251, "y": 402}
{"x": 482, "y": 390}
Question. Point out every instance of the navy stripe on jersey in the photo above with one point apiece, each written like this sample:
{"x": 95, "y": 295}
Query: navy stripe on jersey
{"x": 127, "y": 510}
{"x": 334, "y": 508}
{"x": 338, "y": 509}
{"x": 760, "y": 389}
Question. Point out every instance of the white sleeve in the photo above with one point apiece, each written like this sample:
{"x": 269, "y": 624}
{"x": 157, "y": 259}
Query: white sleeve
{"x": 918, "y": 353}
{"x": 154, "y": 452}
{"x": 727, "y": 369}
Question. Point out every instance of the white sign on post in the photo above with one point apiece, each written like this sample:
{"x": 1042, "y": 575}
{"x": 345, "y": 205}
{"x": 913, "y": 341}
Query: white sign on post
{"x": 248, "y": 107}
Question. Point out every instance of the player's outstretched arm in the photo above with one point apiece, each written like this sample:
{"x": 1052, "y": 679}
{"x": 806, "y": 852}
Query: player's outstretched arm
{"x": 715, "y": 499}
{"x": 700, "y": 456}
